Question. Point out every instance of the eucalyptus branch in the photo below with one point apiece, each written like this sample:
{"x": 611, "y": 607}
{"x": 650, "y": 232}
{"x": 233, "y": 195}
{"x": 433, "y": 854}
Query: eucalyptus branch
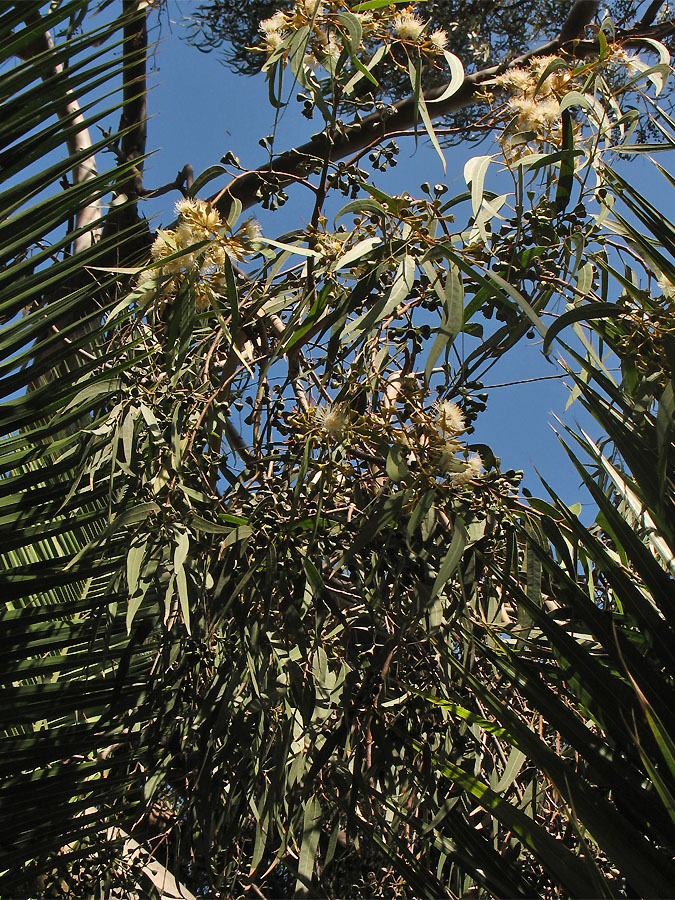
{"x": 294, "y": 378}
{"x": 651, "y": 11}
{"x": 297, "y": 163}
{"x": 579, "y": 17}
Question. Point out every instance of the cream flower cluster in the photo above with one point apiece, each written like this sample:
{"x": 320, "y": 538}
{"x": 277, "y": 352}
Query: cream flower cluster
{"x": 325, "y": 37}
{"x": 182, "y": 252}
{"x": 450, "y": 418}
{"x": 329, "y": 245}
{"x": 451, "y": 423}
{"x": 540, "y": 111}
{"x": 535, "y": 115}
{"x": 274, "y": 30}
{"x": 436, "y": 441}
{"x": 408, "y": 26}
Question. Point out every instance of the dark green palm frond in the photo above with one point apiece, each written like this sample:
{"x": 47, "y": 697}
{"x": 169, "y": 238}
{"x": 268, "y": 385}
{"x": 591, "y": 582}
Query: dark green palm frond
{"x": 74, "y": 678}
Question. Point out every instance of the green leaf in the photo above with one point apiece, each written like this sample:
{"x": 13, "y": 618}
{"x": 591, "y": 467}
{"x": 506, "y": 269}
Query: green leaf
{"x": 587, "y": 312}
{"x": 457, "y": 76}
{"x": 291, "y": 248}
{"x": 365, "y": 70}
{"x": 422, "y": 507}
{"x": 566, "y": 177}
{"x": 453, "y": 318}
{"x": 311, "y": 832}
{"x": 353, "y": 26}
{"x": 396, "y": 466}
{"x": 237, "y": 534}
{"x": 475, "y": 170}
{"x": 356, "y": 252}
{"x": 180, "y": 555}
{"x": 513, "y": 766}
{"x": 359, "y": 206}
{"x": 296, "y": 52}
{"x": 574, "y": 98}
{"x": 389, "y": 304}
{"x": 205, "y": 177}
{"x": 421, "y": 106}
{"x": 204, "y": 525}
{"x": 451, "y": 560}
{"x": 520, "y": 300}
{"x": 134, "y": 561}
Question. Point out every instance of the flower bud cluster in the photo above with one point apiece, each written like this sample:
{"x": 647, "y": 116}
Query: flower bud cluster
{"x": 196, "y": 249}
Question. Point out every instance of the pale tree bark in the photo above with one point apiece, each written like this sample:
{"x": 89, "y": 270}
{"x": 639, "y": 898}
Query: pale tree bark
{"x": 76, "y": 142}
{"x": 92, "y": 222}
{"x": 132, "y": 144}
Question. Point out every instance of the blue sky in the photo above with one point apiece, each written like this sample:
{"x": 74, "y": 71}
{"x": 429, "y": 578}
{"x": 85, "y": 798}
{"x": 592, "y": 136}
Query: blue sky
{"x": 200, "y": 110}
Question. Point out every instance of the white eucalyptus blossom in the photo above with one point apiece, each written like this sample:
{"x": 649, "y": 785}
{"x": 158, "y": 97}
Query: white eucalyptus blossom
{"x": 516, "y": 79}
{"x": 533, "y": 115}
{"x": 309, "y": 7}
{"x": 251, "y": 230}
{"x": 273, "y": 41}
{"x": 450, "y": 417}
{"x": 473, "y": 468}
{"x": 186, "y": 206}
{"x": 448, "y": 461}
{"x": 273, "y": 25}
{"x": 408, "y": 26}
{"x": 539, "y": 64}
{"x": 332, "y": 419}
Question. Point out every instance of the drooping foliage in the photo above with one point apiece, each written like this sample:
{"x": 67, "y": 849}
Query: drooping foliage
{"x": 272, "y": 621}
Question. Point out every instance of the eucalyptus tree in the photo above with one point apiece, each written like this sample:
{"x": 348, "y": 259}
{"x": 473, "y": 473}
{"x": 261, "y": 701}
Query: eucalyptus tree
{"x": 480, "y": 32}
{"x": 272, "y": 623}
